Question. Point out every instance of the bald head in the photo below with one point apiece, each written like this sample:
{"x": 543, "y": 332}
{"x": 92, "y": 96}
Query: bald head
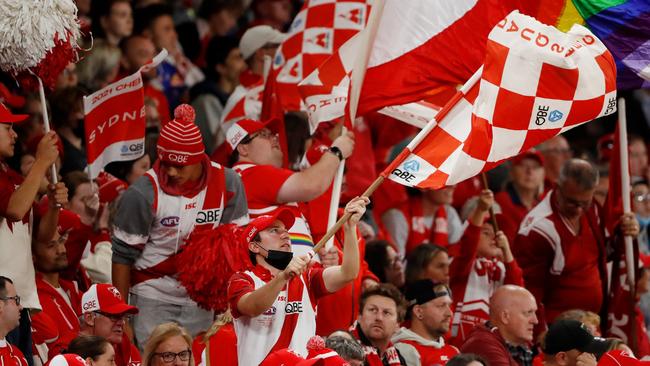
{"x": 512, "y": 311}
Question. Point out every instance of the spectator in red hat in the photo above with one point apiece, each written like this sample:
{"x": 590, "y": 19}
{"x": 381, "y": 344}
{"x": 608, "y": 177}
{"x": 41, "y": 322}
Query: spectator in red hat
{"x": 96, "y": 350}
{"x": 560, "y": 245}
{"x": 526, "y": 185}
{"x": 59, "y": 298}
{"x": 506, "y": 338}
{"x": 422, "y": 343}
{"x": 17, "y": 195}
{"x": 105, "y": 314}
{"x": 10, "y": 310}
{"x": 484, "y": 264}
{"x": 556, "y": 152}
{"x": 183, "y": 192}
{"x": 274, "y": 303}
{"x": 258, "y": 159}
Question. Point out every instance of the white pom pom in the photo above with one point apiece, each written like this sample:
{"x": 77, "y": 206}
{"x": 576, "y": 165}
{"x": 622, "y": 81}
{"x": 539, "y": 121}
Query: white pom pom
{"x": 29, "y": 28}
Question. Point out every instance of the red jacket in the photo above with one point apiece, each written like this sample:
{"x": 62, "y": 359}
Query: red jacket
{"x": 489, "y": 344}
{"x": 64, "y": 316}
{"x": 10, "y": 355}
{"x": 126, "y": 354}
{"x": 221, "y": 348}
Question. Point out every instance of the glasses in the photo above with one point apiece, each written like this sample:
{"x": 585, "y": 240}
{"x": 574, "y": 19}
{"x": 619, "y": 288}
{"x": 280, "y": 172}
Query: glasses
{"x": 169, "y": 357}
{"x": 640, "y": 198}
{"x": 114, "y": 317}
{"x": 265, "y": 134}
{"x": 16, "y": 299}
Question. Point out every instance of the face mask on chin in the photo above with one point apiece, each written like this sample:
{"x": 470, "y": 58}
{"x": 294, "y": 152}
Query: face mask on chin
{"x": 277, "y": 258}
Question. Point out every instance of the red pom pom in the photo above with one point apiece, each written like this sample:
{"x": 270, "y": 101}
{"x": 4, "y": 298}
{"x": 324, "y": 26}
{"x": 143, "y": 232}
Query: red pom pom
{"x": 50, "y": 67}
{"x": 207, "y": 262}
{"x": 315, "y": 344}
{"x": 184, "y": 113}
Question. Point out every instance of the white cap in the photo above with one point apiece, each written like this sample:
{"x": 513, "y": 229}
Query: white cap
{"x": 256, "y": 37}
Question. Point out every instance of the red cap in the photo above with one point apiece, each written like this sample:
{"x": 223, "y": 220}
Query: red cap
{"x": 14, "y": 100}
{"x": 180, "y": 141}
{"x": 109, "y": 187}
{"x": 7, "y": 117}
{"x": 605, "y": 147}
{"x": 318, "y": 354}
{"x": 106, "y": 298}
{"x": 242, "y": 128}
{"x": 262, "y": 222}
{"x": 69, "y": 359}
{"x": 530, "y": 154}
{"x": 282, "y": 357}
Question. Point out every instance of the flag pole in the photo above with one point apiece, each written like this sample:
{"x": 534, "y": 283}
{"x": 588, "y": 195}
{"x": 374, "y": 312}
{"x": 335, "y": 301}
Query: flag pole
{"x": 356, "y": 82}
{"x": 625, "y": 190}
{"x": 405, "y": 153}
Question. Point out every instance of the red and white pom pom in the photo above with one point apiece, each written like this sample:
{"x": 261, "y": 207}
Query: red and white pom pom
{"x": 39, "y": 37}
{"x": 184, "y": 113}
{"x": 315, "y": 344}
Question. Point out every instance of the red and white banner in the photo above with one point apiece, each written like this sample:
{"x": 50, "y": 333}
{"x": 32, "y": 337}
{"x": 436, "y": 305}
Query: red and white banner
{"x": 536, "y": 83}
{"x": 419, "y": 46}
{"x": 115, "y": 120}
{"x": 317, "y": 31}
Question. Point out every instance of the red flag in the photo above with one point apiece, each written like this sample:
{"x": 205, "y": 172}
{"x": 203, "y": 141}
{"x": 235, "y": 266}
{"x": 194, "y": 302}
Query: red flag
{"x": 523, "y": 95}
{"x": 115, "y": 120}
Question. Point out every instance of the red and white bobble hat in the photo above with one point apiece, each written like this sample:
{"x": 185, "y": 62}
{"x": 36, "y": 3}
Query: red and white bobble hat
{"x": 242, "y": 128}
{"x": 106, "y": 298}
{"x": 180, "y": 141}
{"x": 69, "y": 359}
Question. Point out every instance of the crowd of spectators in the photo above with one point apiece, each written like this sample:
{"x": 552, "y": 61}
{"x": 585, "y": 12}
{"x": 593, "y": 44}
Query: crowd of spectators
{"x": 517, "y": 272}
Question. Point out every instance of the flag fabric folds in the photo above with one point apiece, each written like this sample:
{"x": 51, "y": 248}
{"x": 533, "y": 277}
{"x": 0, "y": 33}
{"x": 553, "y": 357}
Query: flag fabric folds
{"x": 536, "y": 83}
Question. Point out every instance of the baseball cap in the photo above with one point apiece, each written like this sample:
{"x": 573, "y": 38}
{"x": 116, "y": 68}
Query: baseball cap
{"x": 262, "y": 222}
{"x": 423, "y": 291}
{"x": 565, "y": 335}
{"x": 256, "y": 37}
{"x": 14, "y": 100}
{"x": 7, "y": 117}
{"x": 69, "y": 359}
{"x": 242, "y": 128}
{"x": 106, "y": 298}
{"x": 282, "y": 357}
{"x": 529, "y": 154}
{"x": 606, "y": 147}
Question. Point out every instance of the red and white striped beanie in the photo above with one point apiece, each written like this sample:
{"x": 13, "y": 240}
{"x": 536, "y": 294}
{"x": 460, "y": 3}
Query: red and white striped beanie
{"x": 180, "y": 141}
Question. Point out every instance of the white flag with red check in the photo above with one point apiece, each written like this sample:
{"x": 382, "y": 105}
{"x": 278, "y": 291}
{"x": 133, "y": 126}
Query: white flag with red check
{"x": 316, "y": 32}
{"x": 419, "y": 46}
{"x": 536, "y": 82}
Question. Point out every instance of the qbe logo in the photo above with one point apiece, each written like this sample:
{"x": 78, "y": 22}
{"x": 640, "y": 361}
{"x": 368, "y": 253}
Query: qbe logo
{"x": 208, "y": 216}
{"x": 407, "y": 170}
{"x": 293, "y": 307}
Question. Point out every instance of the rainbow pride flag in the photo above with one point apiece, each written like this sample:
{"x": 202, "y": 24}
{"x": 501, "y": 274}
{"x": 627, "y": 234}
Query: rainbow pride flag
{"x": 622, "y": 25}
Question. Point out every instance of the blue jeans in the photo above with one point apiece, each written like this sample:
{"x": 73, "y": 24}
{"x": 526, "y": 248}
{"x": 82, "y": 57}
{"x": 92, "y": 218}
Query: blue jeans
{"x": 21, "y": 336}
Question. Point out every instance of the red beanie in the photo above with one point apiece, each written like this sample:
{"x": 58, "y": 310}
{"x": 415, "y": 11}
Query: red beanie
{"x": 180, "y": 141}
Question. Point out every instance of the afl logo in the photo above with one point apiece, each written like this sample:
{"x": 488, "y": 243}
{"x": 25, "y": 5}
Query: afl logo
{"x": 170, "y": 221}
{"x": 270, "y": 311}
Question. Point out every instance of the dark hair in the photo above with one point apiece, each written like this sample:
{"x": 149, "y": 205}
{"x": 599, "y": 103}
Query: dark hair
{"x": 120, "y": 169}
{"x": 463, "y": 359}
{"x": 419, "y": 259}
{"x": 100, "y": 9}
{"x": 88, "y": 346}
{"x": 377, "y": 258}
{"x": 143, "y": 18}
{"x": 63, "y": 103}
{"x": 73, "y": 180}
{"x": 385, "y": 290}
{"x": 252, "y": 255}
{"x": 348, "y": 349}
{"x": 211, "y": 7}
{"x": 296, "y": 126}
{"x": 3, "y": 285}
{"x": 217, "y": 52}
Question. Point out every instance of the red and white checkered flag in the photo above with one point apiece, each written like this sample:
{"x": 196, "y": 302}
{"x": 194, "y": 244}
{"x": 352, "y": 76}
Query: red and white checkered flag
{"x": 316, "y": 32}
{"x": 243, "y": 103}
{"x": 536, "y": 82}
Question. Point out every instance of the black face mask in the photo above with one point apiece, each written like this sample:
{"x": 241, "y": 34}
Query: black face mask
{"x": 277, "y": 258}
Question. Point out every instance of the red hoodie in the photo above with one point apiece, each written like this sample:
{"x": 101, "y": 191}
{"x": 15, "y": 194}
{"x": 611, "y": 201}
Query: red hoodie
{"x": 65, "y": 316}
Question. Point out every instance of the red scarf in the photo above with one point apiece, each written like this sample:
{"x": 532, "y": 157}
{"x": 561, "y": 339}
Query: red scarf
{"x": 188, "y": 189}
{"x": 389, "y": 358}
